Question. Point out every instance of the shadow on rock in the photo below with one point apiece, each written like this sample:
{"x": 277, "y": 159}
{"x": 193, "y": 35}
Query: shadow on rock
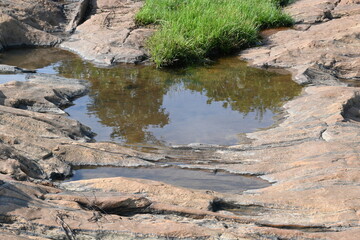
{"x": 351, "y": 110}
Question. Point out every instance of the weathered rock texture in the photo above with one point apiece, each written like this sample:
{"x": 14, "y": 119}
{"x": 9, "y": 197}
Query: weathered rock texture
{"x": 42, "y": 93}
{"x": 6, "y": 69}
{"x": 45, "y": 146}
{"x": 48, "y": 212}
{"x": 323, "y": 46}
{"x": 34, "y": 23}
{"x": 313, "y": 159}
{"x": 102, "y": 31}
{"x": 109, "y": 35}
{"x": 312, "y": 156}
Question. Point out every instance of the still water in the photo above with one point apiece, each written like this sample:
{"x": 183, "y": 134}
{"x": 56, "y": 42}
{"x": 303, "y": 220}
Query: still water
{"x": 141, "y": 105}
{"x": 207, "y": 180}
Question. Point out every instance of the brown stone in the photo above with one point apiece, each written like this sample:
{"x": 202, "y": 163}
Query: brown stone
{"x": 110, "y": 36}
{"x": 322, "y": 54}
{"x": 101, "y": 31}
{"x": 42, "y": 93}
{"x": 16, "y": 33}
{"x": 47, "y": 145}
{"x": 311, "y": 156}
{"x": 312, "y": 11}
{"x": 49, "y": 212}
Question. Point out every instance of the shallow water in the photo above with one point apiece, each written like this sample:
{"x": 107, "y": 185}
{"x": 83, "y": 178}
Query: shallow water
{"x": 4, "y": 78}
{"x": 141, "y": 105}
{"x": 219, "y": 181}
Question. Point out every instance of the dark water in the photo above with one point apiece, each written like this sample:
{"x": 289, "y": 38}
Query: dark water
{"x": 219, "y": 181}
{"x": 141, "y": 105}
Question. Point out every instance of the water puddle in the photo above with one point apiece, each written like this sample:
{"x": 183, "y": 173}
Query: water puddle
{"x": 44, "y": 60}
{"x": 141, "y": 105}
{"x": 4, "y": 78}
{"x": 144, "y": 106}
{"x": 215, "y": 181}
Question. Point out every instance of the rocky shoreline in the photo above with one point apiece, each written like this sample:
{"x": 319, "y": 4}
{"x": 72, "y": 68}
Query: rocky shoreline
{"x": 311, "y": 156}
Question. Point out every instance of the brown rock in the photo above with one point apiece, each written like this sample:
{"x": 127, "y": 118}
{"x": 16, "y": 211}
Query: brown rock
{"x": 319, "y": 55}
{"x": 312, "y": 11}
{"x": 109, "y": 35}
{"x": 16, "y": 33}
{"x": 155, "y": 191}
{"x": 312, "y": 156}
{"x": 76, "y": 12}
{"x": 38, "y": 23}
{"x": 102, "y": 31}
{"x": 47, "y": 145}
{"x": 110, "y": 203}
{"x": 42, "y": 15}
{"x": 346, "y": 8}
{"x": 50, "y": 213}
{"x": 104, "y": 154}
{"x": 42, "y": 93}
{"x": 12, "y": 69}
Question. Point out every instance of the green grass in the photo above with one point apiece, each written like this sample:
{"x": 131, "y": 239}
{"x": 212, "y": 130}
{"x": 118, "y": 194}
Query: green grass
{"x": 190, "y": 31}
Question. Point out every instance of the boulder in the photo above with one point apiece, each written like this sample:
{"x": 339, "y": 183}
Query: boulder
{"x": 320, "y": 54}
{"x": 109, "y": 35}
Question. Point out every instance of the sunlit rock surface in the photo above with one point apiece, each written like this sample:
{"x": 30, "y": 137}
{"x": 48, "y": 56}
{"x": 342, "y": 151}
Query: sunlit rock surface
{"x": 321, "y": 52}
{"x": 312, "y": 156}
{"x": 101, "y": 31}
{"x": 110, "y": 35}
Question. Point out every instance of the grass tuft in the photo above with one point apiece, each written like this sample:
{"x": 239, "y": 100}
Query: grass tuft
{"x": 190, "y": 31}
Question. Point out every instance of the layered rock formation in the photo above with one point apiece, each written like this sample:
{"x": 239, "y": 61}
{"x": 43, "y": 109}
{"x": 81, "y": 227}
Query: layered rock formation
{"x": 311, "y": 156}
{"x": 110, "y": 35}
{"x": 33, "y": 23}
{"x": 101, "y": 31}
{"x": 321, "y": 48}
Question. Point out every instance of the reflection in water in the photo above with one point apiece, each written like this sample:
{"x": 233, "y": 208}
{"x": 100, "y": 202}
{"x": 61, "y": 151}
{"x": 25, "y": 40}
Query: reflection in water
{"x": 39, "y": 58}
{"x": 243, "y": 89}
{"x": 142, "y": 105}
{"x": 219, "y": 181}
{"x": 4, "y": 78}
{"x": 127, "y": 99}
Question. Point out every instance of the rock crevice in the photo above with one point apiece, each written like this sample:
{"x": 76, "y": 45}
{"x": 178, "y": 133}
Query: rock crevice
{"x": 311, "y": 157}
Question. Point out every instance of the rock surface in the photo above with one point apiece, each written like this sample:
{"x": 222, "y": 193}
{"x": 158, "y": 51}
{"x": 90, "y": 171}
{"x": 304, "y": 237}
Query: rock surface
{"x": 102, "y": 31}
{"x": 312, "y": 156}
{"x": 42, "y": 93}
{"x": 45, "y": 146}
{"x": 110, "y": 35}
{"x": 49, "y": 212}
{"x": 6, "y": 69}
{"x": 320, "y": 53}
{"x": 32, "y": 23}
{"x": 313, "y": 159}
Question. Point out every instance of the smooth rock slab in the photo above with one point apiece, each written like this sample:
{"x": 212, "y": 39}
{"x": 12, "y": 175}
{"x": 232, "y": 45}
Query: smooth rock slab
{"x": 38, "y": 23}
{"x": 6, "y": 69}
{"x": 110, "y": 35}
{"x": 321, "y": 54}
{"x": 50, "y": 212}
{"x": 38, "y": 145}
{"x": 312, "y": 11}
{"x": 45, "y": 146}
{"x": 42, "y": 93}
{"x": 312, "y": 157}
